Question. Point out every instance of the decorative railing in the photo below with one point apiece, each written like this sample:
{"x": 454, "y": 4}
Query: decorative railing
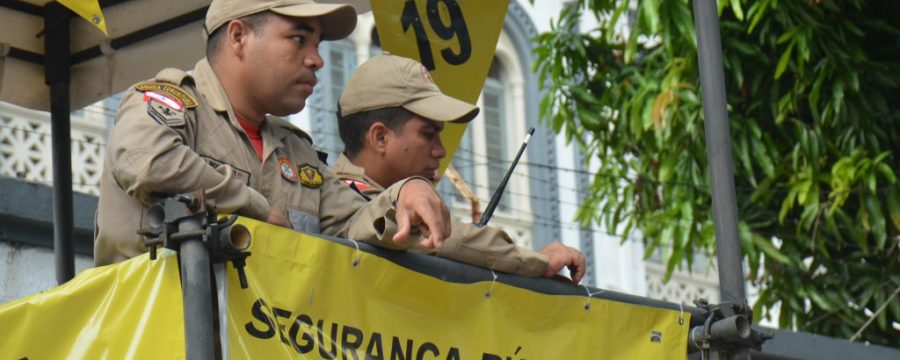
{"x": 518, "y": 229}
{"x": 683, "y": 287}
{"x": 25, "y": 146}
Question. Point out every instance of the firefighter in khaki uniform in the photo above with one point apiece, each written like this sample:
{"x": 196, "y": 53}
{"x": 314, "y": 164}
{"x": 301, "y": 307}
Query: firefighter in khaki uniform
{"x": 215, "y": 130}
{"x": 391, "y": 116}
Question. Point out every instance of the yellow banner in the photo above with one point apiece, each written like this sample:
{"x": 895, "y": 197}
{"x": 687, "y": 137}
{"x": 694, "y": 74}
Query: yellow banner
{"x": 89, "y": 10}
{"x": 132, "y": 310}
{"x": 311, "y": 298}
{"x": 454, "y": 39}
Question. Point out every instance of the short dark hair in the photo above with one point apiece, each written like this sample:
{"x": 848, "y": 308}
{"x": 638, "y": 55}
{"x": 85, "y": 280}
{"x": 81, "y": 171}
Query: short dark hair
{"x": 353, "y": 127}
{"x": 255, "y": 22}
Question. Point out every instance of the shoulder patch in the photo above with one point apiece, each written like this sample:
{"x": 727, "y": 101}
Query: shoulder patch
{"x": 164, "y": 110}
{"x": 184, "y": 98}
{"x": 360, "y": 185}
{"x": 357, "y": 187}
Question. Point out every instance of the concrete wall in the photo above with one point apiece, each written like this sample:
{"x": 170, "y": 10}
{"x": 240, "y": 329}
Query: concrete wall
{"x": 27, "y": 263}
{"x": 27, "y": 269}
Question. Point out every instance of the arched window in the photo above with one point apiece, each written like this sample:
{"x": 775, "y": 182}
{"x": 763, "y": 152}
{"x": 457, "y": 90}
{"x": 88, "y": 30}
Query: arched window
{"x": 486, "y": 151}
{"x": 494, "y": 110}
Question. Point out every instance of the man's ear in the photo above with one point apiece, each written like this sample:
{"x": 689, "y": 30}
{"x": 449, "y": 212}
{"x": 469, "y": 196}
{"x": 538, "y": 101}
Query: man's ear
{"x": 377, "y": 137}
{"x": 236, "y": 35}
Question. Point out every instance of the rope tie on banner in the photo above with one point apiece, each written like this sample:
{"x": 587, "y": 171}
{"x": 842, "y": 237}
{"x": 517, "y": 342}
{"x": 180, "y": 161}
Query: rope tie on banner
{"x": 490, "y": 291}
{"x": 587, "y": 305}
{"x": 681, "y": 314}
{"x": 357, "y": 258}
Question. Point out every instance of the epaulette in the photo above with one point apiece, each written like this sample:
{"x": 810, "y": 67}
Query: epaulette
{"x": 173, "y": 76}
{"x": 275, "y": 121}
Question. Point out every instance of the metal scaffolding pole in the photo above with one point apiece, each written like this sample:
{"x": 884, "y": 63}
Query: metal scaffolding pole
{"x": 57, "y": 76}
{"x": 718, "y": 150}
{"x": 197, "y": 288}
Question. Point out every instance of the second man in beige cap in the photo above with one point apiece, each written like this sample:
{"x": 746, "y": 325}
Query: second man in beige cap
{"x": 391, "y": 117}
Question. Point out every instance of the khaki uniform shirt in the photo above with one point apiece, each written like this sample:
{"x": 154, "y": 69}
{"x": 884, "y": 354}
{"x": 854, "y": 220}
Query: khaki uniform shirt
{"x": 156, "y": 150}
{"x": 486, "y": 247}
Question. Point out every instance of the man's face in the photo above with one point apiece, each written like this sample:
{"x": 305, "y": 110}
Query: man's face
{"x": 416, "y": 149}
{"x": 282, "y": 58}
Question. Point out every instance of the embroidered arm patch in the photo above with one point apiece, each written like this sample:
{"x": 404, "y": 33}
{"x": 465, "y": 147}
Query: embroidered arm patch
{"x": 166, "y": 103}
{"x": 164, "y": 113}
{"x": 171, "y": 91}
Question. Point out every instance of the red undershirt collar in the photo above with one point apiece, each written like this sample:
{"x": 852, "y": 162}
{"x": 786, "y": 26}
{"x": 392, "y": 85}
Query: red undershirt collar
{"x": 254, "y": 135}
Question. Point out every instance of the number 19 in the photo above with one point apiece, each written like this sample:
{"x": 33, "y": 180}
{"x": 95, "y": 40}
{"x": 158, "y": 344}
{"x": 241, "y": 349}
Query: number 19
{"x": 457, "y": 28}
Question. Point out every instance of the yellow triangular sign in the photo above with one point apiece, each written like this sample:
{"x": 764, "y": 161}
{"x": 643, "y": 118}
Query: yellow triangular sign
{"x": 89, "y": 10}
{"x": 455, "y": 39}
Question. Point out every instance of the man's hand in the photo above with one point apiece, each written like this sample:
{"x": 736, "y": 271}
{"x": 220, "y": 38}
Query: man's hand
{"x": 420, "y": 205}
{"x": 561, "y": 255}
{"x": 277, "y": 218}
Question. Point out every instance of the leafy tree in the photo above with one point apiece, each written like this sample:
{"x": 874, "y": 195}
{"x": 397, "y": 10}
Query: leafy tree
{"x": 814, "y": 110}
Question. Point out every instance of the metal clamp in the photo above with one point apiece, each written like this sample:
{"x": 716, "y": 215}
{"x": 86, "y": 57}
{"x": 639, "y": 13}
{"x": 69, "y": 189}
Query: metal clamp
{"x": 224, "y": 240}
{"x": 727, "y": 327}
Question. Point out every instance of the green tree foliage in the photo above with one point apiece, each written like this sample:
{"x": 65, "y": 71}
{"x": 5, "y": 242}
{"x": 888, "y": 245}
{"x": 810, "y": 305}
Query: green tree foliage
{"x": 814, "y": 110}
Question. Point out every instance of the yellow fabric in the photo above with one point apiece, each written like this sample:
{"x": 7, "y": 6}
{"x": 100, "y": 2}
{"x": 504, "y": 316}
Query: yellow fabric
{"x": 307, "y": 300}
{"x": 89, "y": 10}
{"x": 482, "y": 20}
{"x": 132, "y": 310}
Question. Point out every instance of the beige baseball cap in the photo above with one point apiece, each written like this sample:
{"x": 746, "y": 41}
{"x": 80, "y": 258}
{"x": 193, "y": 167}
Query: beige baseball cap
{"x": 338, "y": 20}
{"x": 388, "y": 80}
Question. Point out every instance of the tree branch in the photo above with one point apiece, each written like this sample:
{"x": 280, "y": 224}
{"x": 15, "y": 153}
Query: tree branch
{"x": 874, "y": 315}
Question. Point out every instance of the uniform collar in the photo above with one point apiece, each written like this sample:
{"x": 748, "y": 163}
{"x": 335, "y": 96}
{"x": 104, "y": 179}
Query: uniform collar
{"x": 211, "y": 88}
{"x": 208, "y": 85}
{"x": 272, "y": 135}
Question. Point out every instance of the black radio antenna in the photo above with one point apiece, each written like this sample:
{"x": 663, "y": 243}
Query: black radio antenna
{"x": 495, "y": 199}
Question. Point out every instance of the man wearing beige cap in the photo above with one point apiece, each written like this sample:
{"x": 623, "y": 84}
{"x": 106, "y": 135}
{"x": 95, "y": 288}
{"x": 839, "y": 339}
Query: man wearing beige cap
{"x": 218, "y": 130}
{"x": 391, "y": 117}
